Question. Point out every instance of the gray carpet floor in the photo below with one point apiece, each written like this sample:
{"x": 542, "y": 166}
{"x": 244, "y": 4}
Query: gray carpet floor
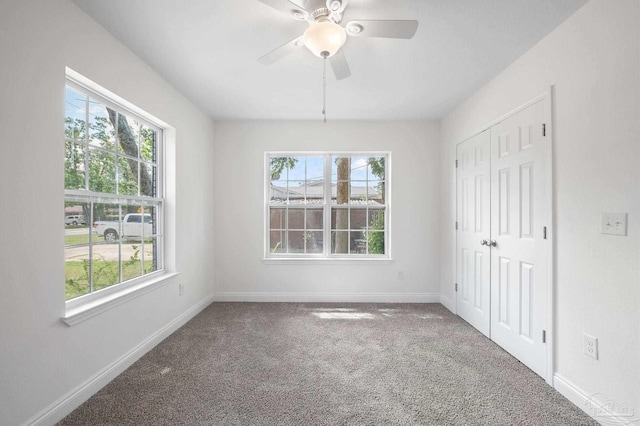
{"x": 327, "y": 364}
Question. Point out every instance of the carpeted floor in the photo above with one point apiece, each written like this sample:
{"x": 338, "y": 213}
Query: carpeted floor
{"x": 327, "y": 364}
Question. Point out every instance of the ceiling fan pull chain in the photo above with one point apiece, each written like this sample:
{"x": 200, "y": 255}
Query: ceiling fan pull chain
{"x": 324, "y": 88}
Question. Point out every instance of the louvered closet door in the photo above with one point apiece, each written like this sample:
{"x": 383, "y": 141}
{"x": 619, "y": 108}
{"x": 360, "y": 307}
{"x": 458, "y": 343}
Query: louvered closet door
{"x": 472, "y": 192}
{"x": 519, "y": 259}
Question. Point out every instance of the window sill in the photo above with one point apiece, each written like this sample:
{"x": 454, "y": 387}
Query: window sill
{"x": 77, "y": 311}
{"x": 324, "y": 260}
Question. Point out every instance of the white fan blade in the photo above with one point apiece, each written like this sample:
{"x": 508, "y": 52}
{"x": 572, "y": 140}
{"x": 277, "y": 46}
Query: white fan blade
{"x": 281, "y": 52}
{"x": 340, "y": 65}
{"x": 286, "y": 6}
{"x": 385, "y": 29}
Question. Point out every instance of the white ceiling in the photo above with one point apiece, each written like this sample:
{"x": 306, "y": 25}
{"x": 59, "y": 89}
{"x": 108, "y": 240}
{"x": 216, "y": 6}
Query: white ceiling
{"x": 208, "y": 49}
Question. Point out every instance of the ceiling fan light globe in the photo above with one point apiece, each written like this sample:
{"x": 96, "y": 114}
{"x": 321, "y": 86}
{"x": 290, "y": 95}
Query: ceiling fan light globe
{"x": 324, "y": 36}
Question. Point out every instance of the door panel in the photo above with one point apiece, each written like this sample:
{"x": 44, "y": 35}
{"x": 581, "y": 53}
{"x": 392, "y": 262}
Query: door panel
{"x": 501, "y": 192}
{"x": 473, "y": 191}
{"x": 519, "y": 260}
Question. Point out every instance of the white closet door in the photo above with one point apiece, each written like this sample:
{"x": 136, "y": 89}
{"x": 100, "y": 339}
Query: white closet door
{"x": 473, "y": 192}
{"x": 519, "y": 259}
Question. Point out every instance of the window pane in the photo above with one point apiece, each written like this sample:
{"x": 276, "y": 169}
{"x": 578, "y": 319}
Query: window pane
{"x": 278, "y": 191}
{"x": 148, "y": 137}
{"x": 279, "y": 167}
{"x": 375, "y": 241}
{"x": 127, "y": 176}
{"x": 376, "y": 168}
{"x": 76, "y": 271}
{"x": 102, "y": 171}
{"x": 148, "y": 179}
{"x": 128, "y": 136}
{"x": 358, "y": 244}
{"x": 105, "y": 265}
{"x": 358, "y": 192}
{"x": 376, "y": 219}
{"x": 106, "y": 221}
{"x": 74, "y": 176}
{"x": 75, "y": 114}
{"x": 339, "y": 242}
{"x": 296, "y": 192}
{"x": 314, "y": 241}
{"x": 277, "y": 218}
{"x": 150, "y": 221}
{"x": 358, "y": 219}
{"x": 314, "y": 219}
{"x": 296, "y": 218}
{"x": 375, "y": 192}
{"x": 150, "y": 256}
{"x": 296, "y": 168}
{"x": 340, "y": 219}
{"x": 359, "y": 168}
{"x": 102, "y": 133}
{"x": 131, "y": 261}
{"x": 295, "y": 241}
{"x": 277, "y": 242}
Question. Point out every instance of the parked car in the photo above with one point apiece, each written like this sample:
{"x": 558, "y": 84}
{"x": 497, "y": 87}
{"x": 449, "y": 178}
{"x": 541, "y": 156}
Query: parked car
{"x": 74, "y": 220}
{"x": 130, "y": 227}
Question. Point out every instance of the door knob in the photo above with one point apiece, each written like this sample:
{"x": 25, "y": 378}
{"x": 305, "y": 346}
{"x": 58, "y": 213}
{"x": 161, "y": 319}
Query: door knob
{"x": 484, "y": 242}
{"x": 492, "y": 243}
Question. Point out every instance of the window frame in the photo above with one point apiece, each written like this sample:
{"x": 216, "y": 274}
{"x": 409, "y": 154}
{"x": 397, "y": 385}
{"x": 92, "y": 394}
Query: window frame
{"x": 327, "y": 208}
{"x": 84, "y": 306}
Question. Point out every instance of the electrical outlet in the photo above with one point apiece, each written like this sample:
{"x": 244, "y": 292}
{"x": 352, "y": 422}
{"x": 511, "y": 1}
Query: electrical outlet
{"x": 400, "y": 275}
{"x": 614, "y": 224}
{"x": 181, "y": 289}
{"x": 590, "y": 345}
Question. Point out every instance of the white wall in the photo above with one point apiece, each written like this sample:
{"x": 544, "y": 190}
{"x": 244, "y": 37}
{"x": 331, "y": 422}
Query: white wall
{"x": 42, "y": 360}
{"x": 241, "y": 273}
{"x": 593, "y": 62}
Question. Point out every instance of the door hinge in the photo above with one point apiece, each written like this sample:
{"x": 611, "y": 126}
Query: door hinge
{"x": 544, "y": 336}
{"x": 544, "y": 232}
{"x": 544, "y": 129}
{"x": 456, "y": 164}
{"x": 456, "y": 226}
{"x": 456, "y": 286}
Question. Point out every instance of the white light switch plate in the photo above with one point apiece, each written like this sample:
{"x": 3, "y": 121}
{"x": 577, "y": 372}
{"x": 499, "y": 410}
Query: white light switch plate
{"x": 614, "y": 224}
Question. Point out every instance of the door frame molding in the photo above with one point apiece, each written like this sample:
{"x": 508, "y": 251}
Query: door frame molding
{"x": 547, "y": 97}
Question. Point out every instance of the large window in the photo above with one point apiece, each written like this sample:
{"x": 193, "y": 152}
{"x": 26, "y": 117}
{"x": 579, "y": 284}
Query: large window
{"x": 327, "y": 205}
{"x": 113, "y": 210}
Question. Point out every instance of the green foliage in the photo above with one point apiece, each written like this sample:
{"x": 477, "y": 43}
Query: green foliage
{"x": 278, "y": 164}
{"x": 375, "y": 235}
{"x": 377, "y": 167}
{"x": 105, "y": 273}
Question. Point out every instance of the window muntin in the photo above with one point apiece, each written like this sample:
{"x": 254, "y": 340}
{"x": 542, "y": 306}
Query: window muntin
{"x": 112, "y": 168}
{"x": 336, "y": 198}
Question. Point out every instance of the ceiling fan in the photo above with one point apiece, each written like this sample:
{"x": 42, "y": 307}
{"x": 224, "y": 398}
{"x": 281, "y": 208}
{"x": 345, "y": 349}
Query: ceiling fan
{"x": 325, "y": 35}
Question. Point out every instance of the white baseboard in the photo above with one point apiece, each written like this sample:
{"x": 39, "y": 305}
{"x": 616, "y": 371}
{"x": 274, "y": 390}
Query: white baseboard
{"x": 598, "y": 406}
{"x": 327, "y": 297}
{"x": 72, "y": 400}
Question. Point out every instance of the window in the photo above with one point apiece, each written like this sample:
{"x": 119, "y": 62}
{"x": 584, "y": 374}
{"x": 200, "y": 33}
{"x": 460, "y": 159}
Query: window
{"x": 330, "y": 205}
{"x": 113, "y": 179}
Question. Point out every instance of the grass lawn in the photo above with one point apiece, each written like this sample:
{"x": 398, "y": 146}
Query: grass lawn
{"x": 72, "y": 240}
{"x": 105, "y": 274}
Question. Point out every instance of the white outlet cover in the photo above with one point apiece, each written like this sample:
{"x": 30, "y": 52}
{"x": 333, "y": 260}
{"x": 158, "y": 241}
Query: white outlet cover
{"x": 590, "y": 345}
{"x": 614, "y": 224}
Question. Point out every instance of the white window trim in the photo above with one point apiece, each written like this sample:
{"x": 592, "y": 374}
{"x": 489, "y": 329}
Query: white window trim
{"x": 327, "y": 257}
{"x": 87, "y": 306}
